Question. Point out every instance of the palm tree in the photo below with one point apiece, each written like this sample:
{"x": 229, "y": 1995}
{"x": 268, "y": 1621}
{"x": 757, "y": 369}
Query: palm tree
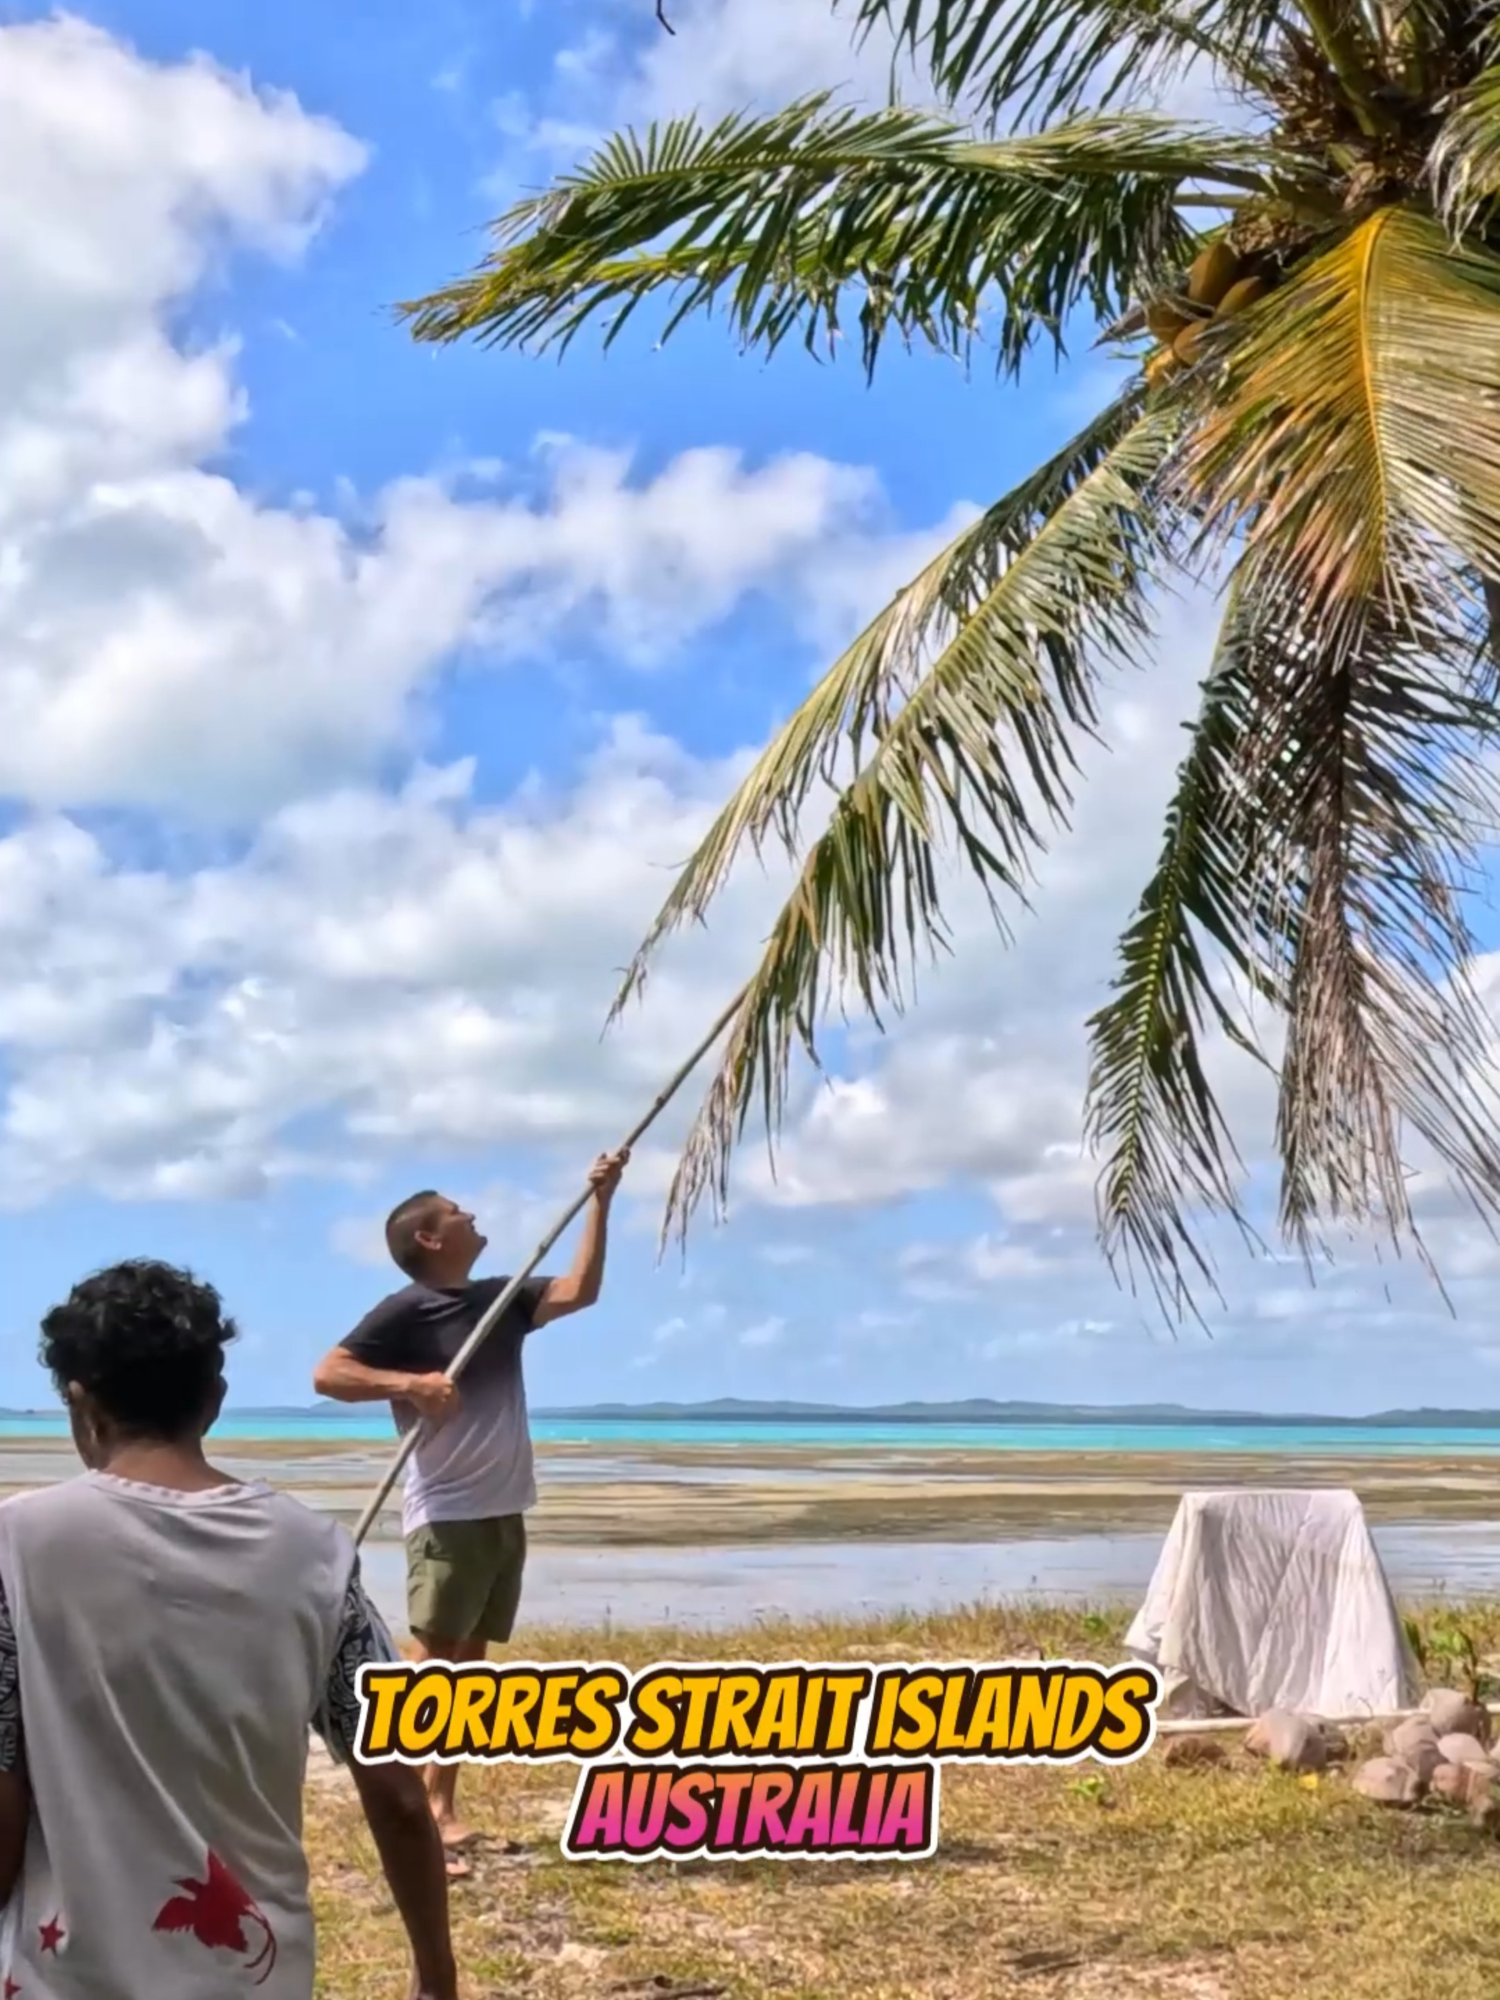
{"x": 1311, "y": 298}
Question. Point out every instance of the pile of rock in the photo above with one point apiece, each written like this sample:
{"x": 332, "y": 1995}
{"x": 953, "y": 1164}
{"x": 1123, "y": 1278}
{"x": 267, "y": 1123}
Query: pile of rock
{"x": 1444, "y": 1750}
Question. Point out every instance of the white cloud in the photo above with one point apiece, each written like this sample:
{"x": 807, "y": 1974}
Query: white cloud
{"x": 411, "y": 968}
{"x": 727, "y": 56}
{"x": 170, "y": 639}
{"x": 764, "y": 1333}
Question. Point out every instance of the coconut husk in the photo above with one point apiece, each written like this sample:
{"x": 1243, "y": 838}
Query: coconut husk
{"x": 1213, "y": 271}
{"x": 1241, "y": 295}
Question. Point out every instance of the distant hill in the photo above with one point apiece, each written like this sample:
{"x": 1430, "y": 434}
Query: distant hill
{"x": 984, "y": 1410}
{"x": 976, "y": 1410}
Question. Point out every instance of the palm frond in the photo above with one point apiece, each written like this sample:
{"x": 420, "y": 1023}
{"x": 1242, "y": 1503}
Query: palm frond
{"x": 780, "y": 219}
{"x": 1169, "y": 1157}
{"x": 980, "y": 750}
{"x": 853, "y": 703}
{"x": 1465, "y": 162}
{"x": 1323, "y": 839}
{"x": 1044, "y": 61}
{"x": 1384, "y": 797}
{"x": 1355, "y": 422}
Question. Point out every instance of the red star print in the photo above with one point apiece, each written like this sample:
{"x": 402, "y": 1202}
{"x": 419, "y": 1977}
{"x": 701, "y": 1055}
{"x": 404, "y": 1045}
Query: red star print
{"x": 12, "y": 1987}
{"x": 51, "y": 1933}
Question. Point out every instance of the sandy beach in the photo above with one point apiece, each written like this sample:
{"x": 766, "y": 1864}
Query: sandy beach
{"x": 709, "y": 1535}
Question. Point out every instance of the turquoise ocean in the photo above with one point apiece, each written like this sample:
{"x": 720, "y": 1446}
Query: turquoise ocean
{"x": 1300, "y": 1440}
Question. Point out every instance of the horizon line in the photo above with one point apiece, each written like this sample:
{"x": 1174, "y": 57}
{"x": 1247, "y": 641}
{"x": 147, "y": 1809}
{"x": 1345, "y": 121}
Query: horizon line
{"x": 791, "y": 1410}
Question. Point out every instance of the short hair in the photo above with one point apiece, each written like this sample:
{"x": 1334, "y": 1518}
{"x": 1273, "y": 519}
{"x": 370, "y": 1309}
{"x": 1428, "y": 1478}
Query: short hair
{"x": 407, "y": 1221}
{"x": 146, "y": 1340}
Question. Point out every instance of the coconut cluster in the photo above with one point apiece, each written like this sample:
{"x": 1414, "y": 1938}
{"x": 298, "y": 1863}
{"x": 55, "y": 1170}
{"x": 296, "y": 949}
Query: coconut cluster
{"x": 1219, "y": 284}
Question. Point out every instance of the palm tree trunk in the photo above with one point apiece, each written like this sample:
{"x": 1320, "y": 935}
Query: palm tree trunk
{"x": 1341, "y": 52}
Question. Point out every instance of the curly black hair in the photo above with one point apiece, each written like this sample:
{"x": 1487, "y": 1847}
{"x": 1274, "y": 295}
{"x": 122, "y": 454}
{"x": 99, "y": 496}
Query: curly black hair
{"x": 146, "y": 1340}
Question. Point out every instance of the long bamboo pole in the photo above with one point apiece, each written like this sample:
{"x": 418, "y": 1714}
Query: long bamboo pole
{"x": 1210, "y": 1725}
{"x": 497, "y": 1310}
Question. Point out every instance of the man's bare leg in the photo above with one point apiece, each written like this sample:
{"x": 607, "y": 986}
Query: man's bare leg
{"x": 442, "y": 1779}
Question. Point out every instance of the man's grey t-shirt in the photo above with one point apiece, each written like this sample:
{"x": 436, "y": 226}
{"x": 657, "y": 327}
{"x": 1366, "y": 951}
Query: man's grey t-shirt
{"x": 478, "y": 1465}
{"x": 162, "y": 1655}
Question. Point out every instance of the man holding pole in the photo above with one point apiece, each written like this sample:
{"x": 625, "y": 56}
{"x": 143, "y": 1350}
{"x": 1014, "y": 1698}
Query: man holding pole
{"x": 471, "y": 1477}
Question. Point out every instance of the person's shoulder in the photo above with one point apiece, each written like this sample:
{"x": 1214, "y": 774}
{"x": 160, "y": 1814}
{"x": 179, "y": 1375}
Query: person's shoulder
{"x": 481, "y": 1293}
{"x": 405, "y": 1297}
{"x": 485, "y": 1290}
{"x": 68, "y": 1508}
{"x": 314, "y": 1531}
{"x": 408, "y": 1301}
{"x": 64, "y": 1497}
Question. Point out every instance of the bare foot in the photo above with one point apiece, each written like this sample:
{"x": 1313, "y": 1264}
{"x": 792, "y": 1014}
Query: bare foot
{"x": 458, "y": 1869}
{"x": 454, "y": 1834}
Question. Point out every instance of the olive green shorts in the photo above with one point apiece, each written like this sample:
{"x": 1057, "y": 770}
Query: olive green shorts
{"x": 463, "y": 1579}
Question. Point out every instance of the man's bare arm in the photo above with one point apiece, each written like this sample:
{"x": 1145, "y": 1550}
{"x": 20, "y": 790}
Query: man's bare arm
{"x": 581, "y": 1287}
{"x": 342, "y": 1379}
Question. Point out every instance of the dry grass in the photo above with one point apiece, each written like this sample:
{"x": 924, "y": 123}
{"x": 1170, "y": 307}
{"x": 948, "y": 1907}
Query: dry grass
{"x": 1142, "y": 1884}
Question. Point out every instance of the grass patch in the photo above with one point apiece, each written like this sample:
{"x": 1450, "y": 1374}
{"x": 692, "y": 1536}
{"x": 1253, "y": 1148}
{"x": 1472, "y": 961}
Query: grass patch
{"x": 1142, "y": 1884}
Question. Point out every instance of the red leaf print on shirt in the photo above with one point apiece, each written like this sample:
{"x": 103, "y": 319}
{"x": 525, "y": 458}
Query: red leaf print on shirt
{"x": 215, "y": 1912}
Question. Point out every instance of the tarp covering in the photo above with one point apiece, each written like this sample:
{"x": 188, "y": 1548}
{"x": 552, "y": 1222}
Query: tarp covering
{"x": 1268, "y": 1600}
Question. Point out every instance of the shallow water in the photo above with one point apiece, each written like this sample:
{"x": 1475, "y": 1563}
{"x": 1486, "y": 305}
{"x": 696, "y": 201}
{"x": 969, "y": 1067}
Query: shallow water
{"x": 852, "y": 1432}
{"x": 708, "y": 1589}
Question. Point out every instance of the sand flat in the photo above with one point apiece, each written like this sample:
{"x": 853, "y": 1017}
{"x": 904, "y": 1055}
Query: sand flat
{"x": 620, "y": 1495}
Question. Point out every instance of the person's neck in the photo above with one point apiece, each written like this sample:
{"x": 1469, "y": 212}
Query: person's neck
{"x": 179, "y": 1465}
{"x": 446, "y": 1281}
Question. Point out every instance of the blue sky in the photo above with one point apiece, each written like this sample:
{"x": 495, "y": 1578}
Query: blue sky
{"x": 355, "y": 702}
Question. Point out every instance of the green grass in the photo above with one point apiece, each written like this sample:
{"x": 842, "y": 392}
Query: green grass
{"x": 1145, "y": 1883}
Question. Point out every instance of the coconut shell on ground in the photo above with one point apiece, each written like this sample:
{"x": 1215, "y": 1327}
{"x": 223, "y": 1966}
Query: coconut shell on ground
{"x": 1388, "y": 1781}
{"x": 1466, "y": 1785}
{"x": 1461, "y": 1748}
{"x": 1194, "y": 1753}
{"x": 1413, "y": 1737}
{"x": 1451, "y": 1713}
{"x": 1291, "y": 1742}
{"x": 1335, "y": 1742}
{"x": 1423, "y": 1757}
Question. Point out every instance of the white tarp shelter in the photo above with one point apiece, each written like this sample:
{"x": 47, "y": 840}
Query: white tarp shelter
{"x": 1273, "y": 1599}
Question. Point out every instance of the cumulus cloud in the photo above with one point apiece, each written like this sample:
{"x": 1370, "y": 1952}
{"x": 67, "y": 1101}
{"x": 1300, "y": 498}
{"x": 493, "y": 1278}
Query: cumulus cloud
{"x": 170, "y": 639}
{"x": 411, "y": 967}
{"x": 727, "y": 56}
{"x": 763, "y": 1332}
